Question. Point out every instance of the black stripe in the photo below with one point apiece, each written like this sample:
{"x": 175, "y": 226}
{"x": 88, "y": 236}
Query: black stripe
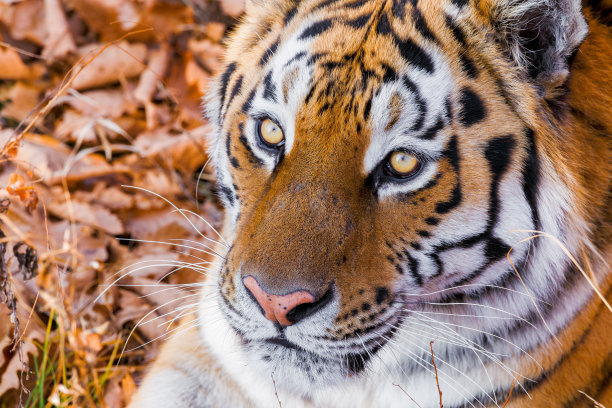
{"x": 296, "y": 57}
{"x": 460, "y": 3}
{"x": 367, "y": 108}
{"x": 228, "y": 141}
{"x": 225, "y": 77}
{"x": 466, "y": 62}
{"x": 384, "y": 26}
{"x": 448, "y": 107}
{"x": 316, "y": 29}
{"x": 413, "y": 269}
{"x": 269, "y": 88}
{"x": 432, "y": 220}
{"x": 359, "y": 22}
{"x": 421, "y": 104}
{"x": 456, "y": 30}
{"x": 399, "y": 8}
{"x": 322, "y": 5}
{"x": 226, "y": 194}
{"x": 433, "y": 130}
{"x": 235, "y": 90}
{"x": 452, "y": 153}
{"x": 468, "y": 66}
{"x": 498, "y": 154}
{"x": 472, "y": 108}
{"x": 421, "y": 25}
{"x": 289, "y": 15}
{"x": 414, "y": 54}
{"x": 253, "y": 159}
{"x": 316, "y": 57}
{"x": 531, "y": 177}
{"x": 246, "y": 106}
{"x": 355, "y": 4}
{"x": 269, "y": 53}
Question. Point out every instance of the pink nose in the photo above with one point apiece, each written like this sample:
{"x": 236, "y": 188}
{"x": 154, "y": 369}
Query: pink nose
{"x": 277, "y": 307}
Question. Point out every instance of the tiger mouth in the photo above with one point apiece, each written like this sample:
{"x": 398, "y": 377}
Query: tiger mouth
{"x": 353, "y": 364}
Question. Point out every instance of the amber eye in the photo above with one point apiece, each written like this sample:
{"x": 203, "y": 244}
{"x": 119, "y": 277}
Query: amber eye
{"x": 403, "y": 165}
{"x": 270, "y": 133}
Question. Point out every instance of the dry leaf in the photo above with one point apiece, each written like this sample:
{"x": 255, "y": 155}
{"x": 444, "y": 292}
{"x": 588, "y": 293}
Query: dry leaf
{"x": 110, "y": 197}
{"x": 232, "y": 8}
{"x": 196, "y": 77}
{"x": 207, "y": 53}
{"x": 117, "y": 62}
{"x": 88, "y": 214}
{"x": 49, "y": 160}
{"x": 149, "y": 80}
{"x": 129, "y": 387}
{"x": 11, "y": 65}
{"x": 107, "y": 103}
{"x": 215, "y": 31}
{"x": 114, "y": 396}
{"x": 187, "y": 150}
{"x": 161, "y": 225}
{"x": 58, "y": 41}
{"x": 18, "y": 187}
{"x": 100, "y": 15}
{"x": 25, "y": 20}
{"x": 22, "y": 99}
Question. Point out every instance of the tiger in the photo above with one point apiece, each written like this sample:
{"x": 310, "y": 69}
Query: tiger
{"x": 417, "y": 210}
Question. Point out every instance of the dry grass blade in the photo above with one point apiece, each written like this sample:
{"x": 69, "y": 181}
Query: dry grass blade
{"x": 68, "y": 79}
{"x": 591, "y": 282}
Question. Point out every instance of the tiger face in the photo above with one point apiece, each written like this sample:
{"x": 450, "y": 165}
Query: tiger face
{"x": 378, "y": 160}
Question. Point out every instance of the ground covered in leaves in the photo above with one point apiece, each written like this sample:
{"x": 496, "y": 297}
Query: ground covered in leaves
{"x": 102, "y": 140}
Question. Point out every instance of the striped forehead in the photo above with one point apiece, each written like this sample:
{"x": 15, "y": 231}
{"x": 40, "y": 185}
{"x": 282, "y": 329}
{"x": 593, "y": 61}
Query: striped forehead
{"x": 288, "y": 77}
{"x": 412, "y": 112}
{"x": 421, "y": 88}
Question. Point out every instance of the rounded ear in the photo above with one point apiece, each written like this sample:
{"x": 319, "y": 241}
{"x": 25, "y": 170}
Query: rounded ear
{"x": 542, "y": 37}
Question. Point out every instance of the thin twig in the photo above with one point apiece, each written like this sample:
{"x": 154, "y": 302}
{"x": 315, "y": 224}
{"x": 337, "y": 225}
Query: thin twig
{"x": 275, "y": 391}
{"x": 436, "y": 371}
{"x": 510, "y": 393}
{"x": 406, "y": 392}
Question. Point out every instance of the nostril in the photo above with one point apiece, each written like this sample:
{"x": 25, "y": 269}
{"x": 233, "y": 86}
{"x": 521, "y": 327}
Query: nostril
{"x": 304, "y": 310}
{"x": 286, "y": 309}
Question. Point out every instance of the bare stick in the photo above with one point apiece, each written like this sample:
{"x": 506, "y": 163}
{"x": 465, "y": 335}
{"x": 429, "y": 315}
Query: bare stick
{"x": 275, "y": 392}
{"x": 436, "y": 371}
{"x": 405, "y": 392}
{"x": 510, "y": 393}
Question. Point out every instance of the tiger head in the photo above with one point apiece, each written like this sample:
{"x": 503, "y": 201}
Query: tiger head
{"x": 378, "y": 161}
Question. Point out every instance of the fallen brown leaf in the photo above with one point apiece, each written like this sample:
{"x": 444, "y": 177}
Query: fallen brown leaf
{"x": 58, "y": 41}
{"x": 121, "y": 61}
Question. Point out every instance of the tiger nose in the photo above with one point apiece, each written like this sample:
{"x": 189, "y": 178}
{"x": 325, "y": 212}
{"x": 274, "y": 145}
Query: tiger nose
{"x": 285, "y": 309}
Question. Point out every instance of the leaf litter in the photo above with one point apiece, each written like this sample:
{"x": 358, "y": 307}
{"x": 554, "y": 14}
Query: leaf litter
{"x": 101, "y": 135}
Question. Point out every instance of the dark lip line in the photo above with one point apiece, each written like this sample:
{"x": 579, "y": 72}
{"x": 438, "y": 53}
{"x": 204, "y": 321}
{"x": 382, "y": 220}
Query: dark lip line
{"x": 282, "y": 341}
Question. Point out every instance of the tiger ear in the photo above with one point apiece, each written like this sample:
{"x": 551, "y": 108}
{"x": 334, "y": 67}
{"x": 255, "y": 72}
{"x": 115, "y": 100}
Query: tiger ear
{"x": 541, "y": 36}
